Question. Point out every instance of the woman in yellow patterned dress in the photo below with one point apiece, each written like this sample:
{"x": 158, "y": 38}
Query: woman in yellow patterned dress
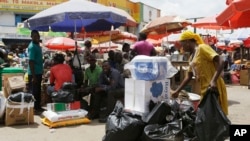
{"x": 206, "y": 65}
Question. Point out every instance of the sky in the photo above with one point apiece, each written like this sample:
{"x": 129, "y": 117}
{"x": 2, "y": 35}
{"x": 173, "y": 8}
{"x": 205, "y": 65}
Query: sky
{"x": 187, "y": 8}
{"x": 190, "y": 9}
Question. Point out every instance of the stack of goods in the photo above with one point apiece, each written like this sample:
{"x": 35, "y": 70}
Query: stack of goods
{"x": 64, "y": 114}
{"x": 19, "y": 109}
{"x": 149, "y": 83}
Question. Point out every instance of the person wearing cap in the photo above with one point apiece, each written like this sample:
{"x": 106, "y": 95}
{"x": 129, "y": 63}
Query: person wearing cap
{"x": 206, "y": 65}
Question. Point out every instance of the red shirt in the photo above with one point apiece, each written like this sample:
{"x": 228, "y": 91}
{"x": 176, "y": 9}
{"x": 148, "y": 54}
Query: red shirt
{"x": 59, "y": 74}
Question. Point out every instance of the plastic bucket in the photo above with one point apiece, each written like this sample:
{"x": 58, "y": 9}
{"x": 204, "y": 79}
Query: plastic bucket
{"x": 195, "y": 98}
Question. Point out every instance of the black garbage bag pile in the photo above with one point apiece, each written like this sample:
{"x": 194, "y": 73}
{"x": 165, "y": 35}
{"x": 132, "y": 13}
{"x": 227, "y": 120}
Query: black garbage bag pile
{"x": 163, "y": 123}
{"x": 178, "y": 124}
{"x": 170, "y": 121}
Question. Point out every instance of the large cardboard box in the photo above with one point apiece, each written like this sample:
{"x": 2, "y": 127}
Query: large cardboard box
{"x": 138, "y": 94}
{"x": 5, "y": 77}
{"x": 244, "y": 77}
{"x": 19, "y": 113}
{"x": 15, "y": 83}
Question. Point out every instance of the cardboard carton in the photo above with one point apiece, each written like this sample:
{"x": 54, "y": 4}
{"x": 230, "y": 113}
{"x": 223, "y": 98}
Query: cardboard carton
{"x": 244, "y": 79}
{"x": 15, "y": 83}
{"x": 19, "y": 113}
{"x": 138, "y": 94}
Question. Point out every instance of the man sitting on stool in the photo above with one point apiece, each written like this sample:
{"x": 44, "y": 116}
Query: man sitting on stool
{"x": 110, "y": 88}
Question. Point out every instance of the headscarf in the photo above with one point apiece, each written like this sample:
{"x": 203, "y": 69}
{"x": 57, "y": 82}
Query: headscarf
{"x": 187, "y": 35}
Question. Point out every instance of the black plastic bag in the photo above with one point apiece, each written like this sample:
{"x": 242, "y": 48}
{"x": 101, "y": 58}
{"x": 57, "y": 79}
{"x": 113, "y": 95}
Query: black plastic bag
{"x": 68, "y": 86}
{"x": 21, "y": 96}
{"x": 211, "y": 124}
{"x": 158, "y": 114}
{"x": 167, "y": 132}
{"x": 62, "y": 96}
{"x": 79, "y": 77}
{"x": 123, "y": 126}
{"x": 188, "y": 115}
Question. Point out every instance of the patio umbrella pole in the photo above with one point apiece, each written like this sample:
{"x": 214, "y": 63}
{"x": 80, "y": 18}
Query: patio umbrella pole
{"x": 110, "y": 36}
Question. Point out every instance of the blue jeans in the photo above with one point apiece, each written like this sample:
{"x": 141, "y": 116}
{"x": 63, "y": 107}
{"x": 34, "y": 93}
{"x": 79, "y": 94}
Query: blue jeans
{"x": 36, "y": 89}
{"x": 50, "y": 89}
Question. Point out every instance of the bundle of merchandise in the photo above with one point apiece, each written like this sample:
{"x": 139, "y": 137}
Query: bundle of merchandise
{"x": 19, "y": 109}
{"x": 64, "y": 114}
{"x": 149, "y": 83}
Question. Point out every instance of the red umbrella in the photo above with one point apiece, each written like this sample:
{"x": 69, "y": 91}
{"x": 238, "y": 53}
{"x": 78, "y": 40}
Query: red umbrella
{"x": 60, "y": 43}
{"x": 236, "y": 15}
{"x": 165, "y": 24}
{"x": 209, "y": 23}
{"x": 246, "y": 42}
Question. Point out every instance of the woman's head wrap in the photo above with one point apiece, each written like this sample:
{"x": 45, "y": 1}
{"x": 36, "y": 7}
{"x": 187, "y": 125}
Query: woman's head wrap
{"x": 187, "y": 35}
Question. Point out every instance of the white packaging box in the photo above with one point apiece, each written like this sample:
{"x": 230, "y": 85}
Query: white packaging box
{"x": 138, "y": 94}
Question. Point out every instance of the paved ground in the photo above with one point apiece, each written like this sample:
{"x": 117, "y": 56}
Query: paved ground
{"x": 239, "y": 104}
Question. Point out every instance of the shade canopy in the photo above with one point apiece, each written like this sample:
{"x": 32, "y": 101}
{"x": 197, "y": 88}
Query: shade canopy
{"x": 130, "y": 20}
{"x": 165, "y": 24}
{"x": 209, "y": 23}
{"x": 236, "y": 15}
{"x": 74, "y": 15}
{"x": 60, "y": 43}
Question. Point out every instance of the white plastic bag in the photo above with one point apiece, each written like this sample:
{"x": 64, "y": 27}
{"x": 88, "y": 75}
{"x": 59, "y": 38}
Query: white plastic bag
{"x": 64, "y": 115}
{"x": 3, "y": 101}
{"x": 76, "y": 61}
{"x": 150, "y": 68}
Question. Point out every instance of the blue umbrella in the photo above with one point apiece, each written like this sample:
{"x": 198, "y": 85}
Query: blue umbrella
{"x": 74, "y": 15}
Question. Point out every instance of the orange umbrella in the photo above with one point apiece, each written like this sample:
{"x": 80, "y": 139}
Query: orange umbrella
{"x": 155, "y": 42}
{"x": 209, "y": 23}
{"x": 60, "y": 43}
{"x": 236, "y": 15}
{"x": 165, "y": 24}
{"x": 124, "y": 37}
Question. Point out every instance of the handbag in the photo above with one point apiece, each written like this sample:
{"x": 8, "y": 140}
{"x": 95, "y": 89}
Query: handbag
{"x": 77, "y": 69}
